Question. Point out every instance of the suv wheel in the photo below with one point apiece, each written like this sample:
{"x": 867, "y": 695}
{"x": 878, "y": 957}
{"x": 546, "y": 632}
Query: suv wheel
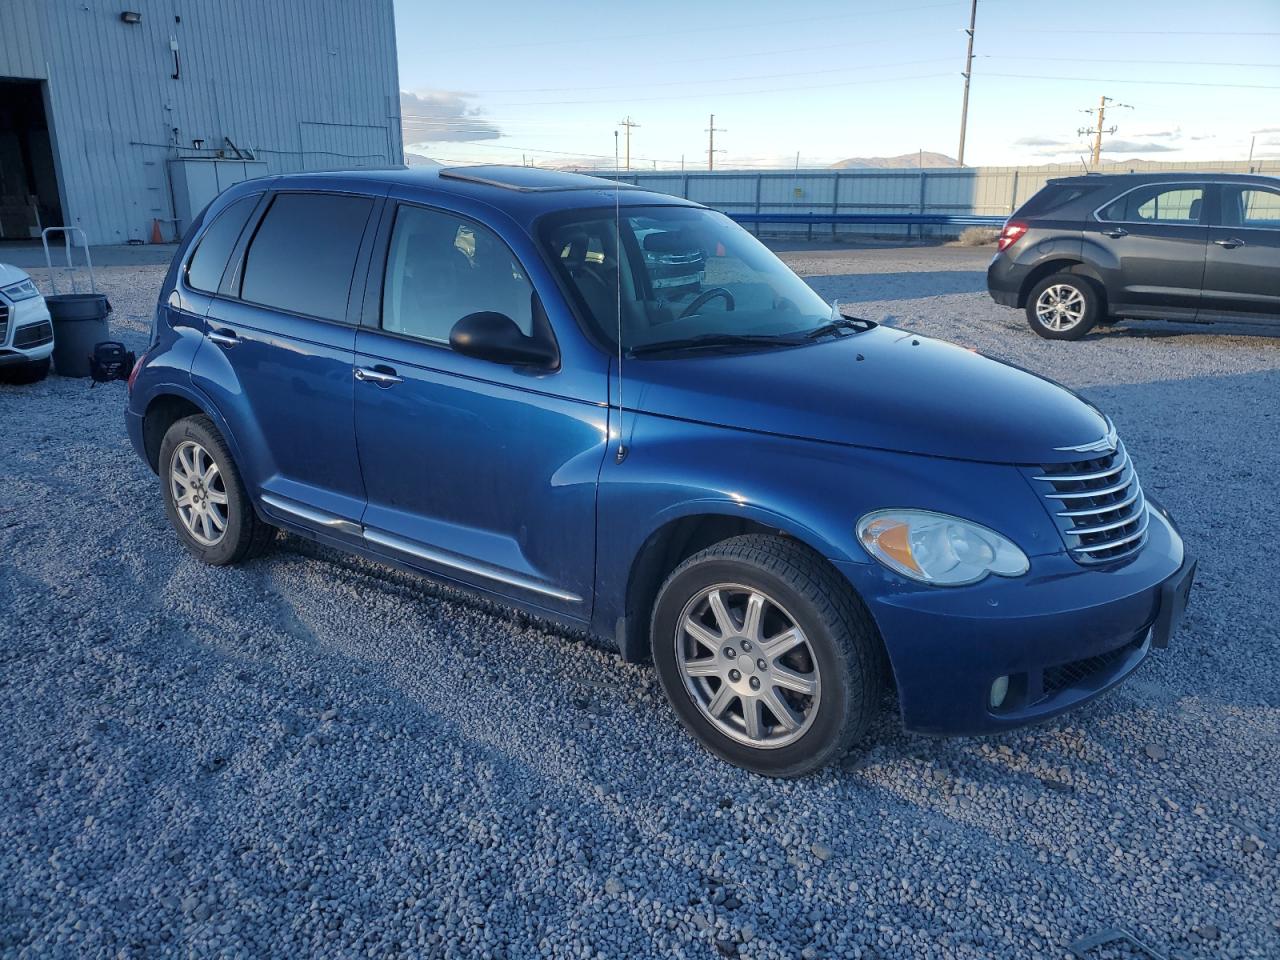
{"x": 766, "y": 655}
{"x": 26, "y": 373}
{"x": 1063, "y": 306}
{"x": 204, "y": 497}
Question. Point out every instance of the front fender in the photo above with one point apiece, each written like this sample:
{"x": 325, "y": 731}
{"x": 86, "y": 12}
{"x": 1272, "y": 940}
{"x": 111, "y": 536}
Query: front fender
{"x": 812, "y": 491}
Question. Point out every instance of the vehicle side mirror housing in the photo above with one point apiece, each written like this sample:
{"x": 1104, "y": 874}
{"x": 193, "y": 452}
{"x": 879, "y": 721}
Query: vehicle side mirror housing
{"x": 495, "y": 337}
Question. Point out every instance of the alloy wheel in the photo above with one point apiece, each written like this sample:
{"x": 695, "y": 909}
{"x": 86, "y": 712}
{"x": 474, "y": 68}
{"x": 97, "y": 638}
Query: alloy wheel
{"x": 1060, "y": 307}
{"x": 199, "y": 494}
{"x": 748, "y": 666}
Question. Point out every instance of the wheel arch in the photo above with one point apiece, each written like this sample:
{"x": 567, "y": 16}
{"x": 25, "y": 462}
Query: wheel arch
{"x": 167, "y": 408}
{"x": 672, "y": 542}
{"x": 1062, "y": 265}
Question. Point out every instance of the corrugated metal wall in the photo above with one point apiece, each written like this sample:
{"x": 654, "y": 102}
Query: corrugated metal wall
{"x": 302, "y": 84}
{"x": 991, "y": 191}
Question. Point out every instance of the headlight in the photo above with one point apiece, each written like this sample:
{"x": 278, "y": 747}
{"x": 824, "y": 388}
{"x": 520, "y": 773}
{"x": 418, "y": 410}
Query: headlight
{"x": 22, "y": 290}
{"x": 938, "y": 549}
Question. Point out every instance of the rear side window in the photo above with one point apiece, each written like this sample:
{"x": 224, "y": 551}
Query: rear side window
{"x": 204, "y": 269}
{"x": 1054, "y": 197}
{"x": 441, "y": 268}
{"x": 304, "y": 253}
{"x": 1157, "y": 203}
{"x": 1250, "y": 207}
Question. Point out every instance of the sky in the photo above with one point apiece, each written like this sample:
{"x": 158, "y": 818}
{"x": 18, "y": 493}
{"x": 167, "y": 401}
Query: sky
{"x": 818, "y": 81}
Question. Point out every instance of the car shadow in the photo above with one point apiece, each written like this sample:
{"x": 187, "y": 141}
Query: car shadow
{"x": 905, "y": 285}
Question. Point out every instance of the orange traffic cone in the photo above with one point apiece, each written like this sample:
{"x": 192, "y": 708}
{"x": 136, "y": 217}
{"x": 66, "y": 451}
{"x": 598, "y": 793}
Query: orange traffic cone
{"x": 156, "y": 236}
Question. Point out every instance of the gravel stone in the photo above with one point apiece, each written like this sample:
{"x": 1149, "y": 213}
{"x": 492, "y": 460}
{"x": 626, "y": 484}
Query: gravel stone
{"x": 465, "y": 807}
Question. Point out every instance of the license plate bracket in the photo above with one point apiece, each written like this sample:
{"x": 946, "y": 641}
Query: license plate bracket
{"x": 1174, "y": 594}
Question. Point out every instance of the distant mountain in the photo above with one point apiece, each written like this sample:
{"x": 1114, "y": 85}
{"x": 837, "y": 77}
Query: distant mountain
{"x": 913, "y": 160}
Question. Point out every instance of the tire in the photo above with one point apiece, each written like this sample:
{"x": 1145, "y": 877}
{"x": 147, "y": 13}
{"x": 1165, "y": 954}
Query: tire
{"x": 1079, "y": 303}
{"x": 840, "y": 650}
{"x": 26, "y": 373}
{"x": 242, "y": 533}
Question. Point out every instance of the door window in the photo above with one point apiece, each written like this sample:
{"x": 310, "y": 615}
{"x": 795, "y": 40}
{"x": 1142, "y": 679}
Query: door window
{"x": 1248, "y": 207}
{"x": 204, "y": 269}
{"x": 304, "y": 254}
{"x": 1175, "y": 203}
{"x": 441, "y": 268}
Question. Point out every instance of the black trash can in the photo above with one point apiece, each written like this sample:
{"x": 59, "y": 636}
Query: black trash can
{"x": 79, "y": 324}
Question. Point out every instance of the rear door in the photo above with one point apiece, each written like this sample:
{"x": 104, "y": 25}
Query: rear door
{"x": 279, "y": 353}
{"x": 1242, "y": 265}
{"x": 1152, "y": 241}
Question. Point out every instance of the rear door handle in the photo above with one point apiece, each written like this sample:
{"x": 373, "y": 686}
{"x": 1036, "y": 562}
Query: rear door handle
{"x": 1116, "y": 234}
{"x": 224, "y": 338}
{"x": 382, "y": 376}
{"x": 1230, "y": 243}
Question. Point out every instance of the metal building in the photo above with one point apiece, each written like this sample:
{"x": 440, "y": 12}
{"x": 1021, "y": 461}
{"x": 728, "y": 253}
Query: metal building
{"x": 116, "y": 114}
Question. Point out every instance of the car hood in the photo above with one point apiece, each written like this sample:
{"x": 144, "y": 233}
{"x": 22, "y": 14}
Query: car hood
{"x": 884, "y": 388}
{"x": 10, "y": 274}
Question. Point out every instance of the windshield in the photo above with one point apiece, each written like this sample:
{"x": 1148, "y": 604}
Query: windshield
{"x": 685, "y": 273}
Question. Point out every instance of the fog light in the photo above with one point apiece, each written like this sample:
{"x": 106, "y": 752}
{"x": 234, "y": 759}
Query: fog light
{"x": 999, "y": 690}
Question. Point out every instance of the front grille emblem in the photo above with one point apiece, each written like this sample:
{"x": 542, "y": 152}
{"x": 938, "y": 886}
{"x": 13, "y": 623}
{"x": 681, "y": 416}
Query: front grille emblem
{"x": 1106, "y": 445}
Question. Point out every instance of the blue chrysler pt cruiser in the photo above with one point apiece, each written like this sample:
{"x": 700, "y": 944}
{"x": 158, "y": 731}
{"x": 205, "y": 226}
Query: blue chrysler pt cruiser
{"x": 619, "y": 411}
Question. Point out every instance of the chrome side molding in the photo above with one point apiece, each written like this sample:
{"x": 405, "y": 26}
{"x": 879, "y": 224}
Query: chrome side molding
{"x": 318, "y": 517}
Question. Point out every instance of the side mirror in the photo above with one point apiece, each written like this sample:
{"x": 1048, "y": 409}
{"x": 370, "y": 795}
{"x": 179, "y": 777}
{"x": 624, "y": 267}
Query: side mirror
{"x": 496, "y": 338}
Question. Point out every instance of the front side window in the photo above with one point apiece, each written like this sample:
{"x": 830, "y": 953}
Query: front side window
{"x": 205, "y": 268}
{"x": 440, "y": 268}
{"x": 303, "y": 255}
{"x": 1176, "y": 203}
{"x": 1249, "y": 207}
{"x": 663, "y": 274}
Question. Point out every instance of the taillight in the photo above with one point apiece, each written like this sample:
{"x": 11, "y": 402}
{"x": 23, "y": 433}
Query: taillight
{"x": 1011, "y": 234}
{"x": 137, "y": 367}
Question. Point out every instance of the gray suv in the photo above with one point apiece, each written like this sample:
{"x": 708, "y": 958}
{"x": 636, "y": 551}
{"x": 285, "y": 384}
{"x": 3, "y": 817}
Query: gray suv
{"x": 1171, "y": 246}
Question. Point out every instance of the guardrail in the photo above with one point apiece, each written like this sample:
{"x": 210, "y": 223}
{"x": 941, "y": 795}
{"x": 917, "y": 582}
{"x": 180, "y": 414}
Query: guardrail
{"x": 908, "y": 219}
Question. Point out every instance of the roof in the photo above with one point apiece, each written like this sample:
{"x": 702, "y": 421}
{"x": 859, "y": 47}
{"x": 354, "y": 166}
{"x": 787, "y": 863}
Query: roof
{"x": 522, "y": 192}
{"x": 1178, "y": 176}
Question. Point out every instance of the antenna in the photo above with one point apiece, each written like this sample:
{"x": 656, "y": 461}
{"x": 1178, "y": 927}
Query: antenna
{"x": 621, "y": 453}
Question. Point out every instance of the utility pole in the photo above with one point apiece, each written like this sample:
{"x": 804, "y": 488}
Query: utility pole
{"x": 628, "y": 124}
{"x": 968, "y": 72}
{"x": 1097, "y": 131}
{"x": 711, "y": 142}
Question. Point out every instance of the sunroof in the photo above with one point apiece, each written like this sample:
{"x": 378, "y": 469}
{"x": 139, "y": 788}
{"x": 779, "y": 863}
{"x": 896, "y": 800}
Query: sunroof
{"x": 530, "y": 179}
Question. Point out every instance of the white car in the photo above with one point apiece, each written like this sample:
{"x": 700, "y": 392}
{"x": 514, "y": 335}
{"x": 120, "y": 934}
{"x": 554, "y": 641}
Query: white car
{"x": 26, "y": 332}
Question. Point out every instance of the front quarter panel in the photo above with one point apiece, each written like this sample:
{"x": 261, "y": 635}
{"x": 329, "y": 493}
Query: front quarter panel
{"x": 815, "y": 492}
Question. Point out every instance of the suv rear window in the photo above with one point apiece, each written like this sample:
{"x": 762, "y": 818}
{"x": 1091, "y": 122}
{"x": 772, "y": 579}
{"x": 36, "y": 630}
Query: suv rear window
{"x": 304, "y": 253}
{"x": 1055, "y": 196}
{"x": 204, "y": 269}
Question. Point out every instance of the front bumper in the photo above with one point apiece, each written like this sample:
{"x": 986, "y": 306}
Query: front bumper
{"x": 26, "y": 331}
{"x": 1062, "y": 633}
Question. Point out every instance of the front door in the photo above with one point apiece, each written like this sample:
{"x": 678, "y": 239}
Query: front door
{"x": 478, "y": 471}
{"x": 1242, "y": 267}
{"x": 1155, "y": 235}
{"x": 279, "y": 354}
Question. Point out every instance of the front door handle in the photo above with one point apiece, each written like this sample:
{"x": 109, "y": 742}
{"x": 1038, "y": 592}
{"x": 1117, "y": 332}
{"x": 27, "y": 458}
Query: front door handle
{"x": 224, "y": 338}
{"x": 382, "y": 376}
{"x": 1116, "y": 233}
{"x": 1230, "y": 243}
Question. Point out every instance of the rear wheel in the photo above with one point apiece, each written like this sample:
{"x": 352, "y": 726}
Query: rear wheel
{"x": 204, "y": 496}
{"x": 766, "y": 655}
{"x": 26, "y": 373}
{"x": 1064, "y": 306}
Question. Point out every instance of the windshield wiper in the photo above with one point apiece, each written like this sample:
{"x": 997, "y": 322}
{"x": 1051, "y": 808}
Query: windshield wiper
{"x": 717, "y": 340}
{"x": 854, "y": 324}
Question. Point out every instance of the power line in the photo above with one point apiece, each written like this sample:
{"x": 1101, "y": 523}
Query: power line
{"x": 1163, "y": 83}
{"x": 1170, "y": 63}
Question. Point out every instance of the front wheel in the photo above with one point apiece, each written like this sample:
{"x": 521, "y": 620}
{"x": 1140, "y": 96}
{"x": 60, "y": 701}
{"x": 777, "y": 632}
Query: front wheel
{"x": 1064, "y": 307}
{"x": 204, "y": 496}
{"x": 766, "y": 655}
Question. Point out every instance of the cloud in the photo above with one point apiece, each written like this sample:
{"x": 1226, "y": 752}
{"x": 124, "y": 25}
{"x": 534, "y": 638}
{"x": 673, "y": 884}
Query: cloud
{"x": 1135, "y": 146}
{"x": 1039, "y": 142}
{"x": 1268, "y": 130}
{"x": 439, "y": 116}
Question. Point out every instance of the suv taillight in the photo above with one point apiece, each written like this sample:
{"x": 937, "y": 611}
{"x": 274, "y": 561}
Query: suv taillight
{"x": 137, "y": 368}
{"x": 1011, "y": 234}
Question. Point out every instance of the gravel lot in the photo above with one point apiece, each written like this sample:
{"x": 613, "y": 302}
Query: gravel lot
{"x": 316, "y": 756}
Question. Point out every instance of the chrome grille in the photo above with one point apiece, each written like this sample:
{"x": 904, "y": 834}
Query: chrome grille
{"x": 1097, "y": 504}
{"x": 4, "y": 323}
{"x": 33, "y": 335}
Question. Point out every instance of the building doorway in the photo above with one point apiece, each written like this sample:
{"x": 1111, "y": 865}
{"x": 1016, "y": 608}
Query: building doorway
{"x": 29, "y": 197}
